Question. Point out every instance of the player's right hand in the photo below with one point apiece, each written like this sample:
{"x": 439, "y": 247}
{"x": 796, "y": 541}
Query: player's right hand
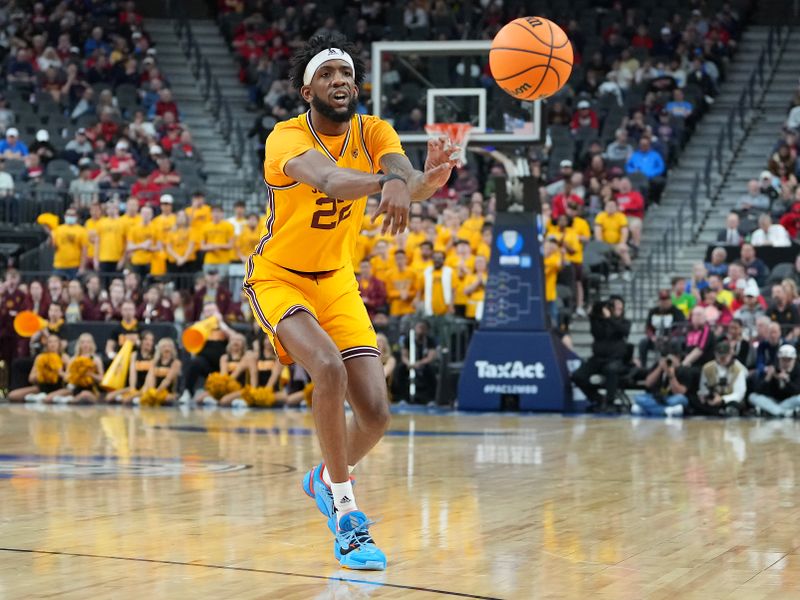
{"x": 395, "y": 204}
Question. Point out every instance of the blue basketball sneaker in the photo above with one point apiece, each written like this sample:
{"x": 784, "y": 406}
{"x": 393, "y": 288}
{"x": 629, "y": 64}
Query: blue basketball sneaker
{"x": 354, "y": 547}
{"x": 316, "y": 488}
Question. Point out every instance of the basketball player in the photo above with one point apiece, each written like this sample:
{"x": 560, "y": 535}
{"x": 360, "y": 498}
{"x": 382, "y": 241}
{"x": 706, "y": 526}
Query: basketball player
{"x": 319, "y": 168}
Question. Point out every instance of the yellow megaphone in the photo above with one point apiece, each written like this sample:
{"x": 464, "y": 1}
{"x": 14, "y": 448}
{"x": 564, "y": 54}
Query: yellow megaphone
{"x": 194, "y": 337}
{"x": 27, "y": 322}
{"x": 117, "y": 372}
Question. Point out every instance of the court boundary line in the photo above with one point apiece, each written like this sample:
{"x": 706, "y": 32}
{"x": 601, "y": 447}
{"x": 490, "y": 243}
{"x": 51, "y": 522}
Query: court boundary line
{"x": 251, "y": 570}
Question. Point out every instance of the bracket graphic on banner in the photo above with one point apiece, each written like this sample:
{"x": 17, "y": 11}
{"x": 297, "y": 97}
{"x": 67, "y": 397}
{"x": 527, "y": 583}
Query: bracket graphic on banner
{"x": 513, "y": 354}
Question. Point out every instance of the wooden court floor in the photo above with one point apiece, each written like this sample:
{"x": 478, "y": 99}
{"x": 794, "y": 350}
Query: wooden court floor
{"x": 115, "y": 503}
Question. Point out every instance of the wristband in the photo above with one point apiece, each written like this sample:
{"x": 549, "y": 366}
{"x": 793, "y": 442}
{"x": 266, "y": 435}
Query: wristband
{"x": 388, "y": 177}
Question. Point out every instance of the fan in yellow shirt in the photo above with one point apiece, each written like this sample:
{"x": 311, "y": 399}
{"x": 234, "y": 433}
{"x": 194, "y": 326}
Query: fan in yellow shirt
{"x": 401, "y": 286}
{"x": 447, "y": 234}
{"x": 473, "y": 224}
{"x": 70, "y": 241}
{"x": 552, "y": 265}
{"x": 573, "y": 232}
{"x": 423, "y": 258}
{"x": 162, "y": 225}
{"x": 248, "y": 238}
{"x": 95, "y": 214}
{"x": 463, "y": 263}
{"x": 247, "y": 235}
{"x": 217, "y": 242}
{"x": 181, "y": 246}
{"x": 475, "y": 288}
{"x": 199, "y": 212}
{"x": 380, "y": 260}
{"x": 142, "y": 243}
{"x": 611, "y": 227}
{"x": 485, "y": 246}
{"x": 110, "y": 239}
{"x": 416, "y": 235}
{"x": 131, "y": 215}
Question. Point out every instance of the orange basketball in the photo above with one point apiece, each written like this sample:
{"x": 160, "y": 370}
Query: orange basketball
{"x": 531, "y": 58}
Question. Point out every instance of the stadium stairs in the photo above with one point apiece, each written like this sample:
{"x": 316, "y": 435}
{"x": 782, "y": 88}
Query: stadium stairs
{"x": 219, "y": 163}
{"x": 755, "y": 148}
{"x": 681, "y": 176}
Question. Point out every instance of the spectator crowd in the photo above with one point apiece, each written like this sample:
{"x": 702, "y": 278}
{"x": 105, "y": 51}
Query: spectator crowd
{"x": 88, "y": 115}
{"x": 724, "y": 339}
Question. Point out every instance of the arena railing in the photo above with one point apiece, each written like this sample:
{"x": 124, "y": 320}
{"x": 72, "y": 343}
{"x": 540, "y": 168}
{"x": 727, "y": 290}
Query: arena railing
{"x": 684, "y": 227}
{"x": 229, "y": 127}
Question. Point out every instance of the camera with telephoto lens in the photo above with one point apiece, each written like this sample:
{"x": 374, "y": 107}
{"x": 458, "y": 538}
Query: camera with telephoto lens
{"x": 718, "y": 389}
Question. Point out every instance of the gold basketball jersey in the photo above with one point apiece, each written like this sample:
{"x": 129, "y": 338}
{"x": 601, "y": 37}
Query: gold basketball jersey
{"x": 305, "y": 230}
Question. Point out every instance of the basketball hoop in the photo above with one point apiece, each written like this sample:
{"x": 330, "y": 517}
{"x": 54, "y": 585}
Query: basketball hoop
{"x": 457, "y": 133}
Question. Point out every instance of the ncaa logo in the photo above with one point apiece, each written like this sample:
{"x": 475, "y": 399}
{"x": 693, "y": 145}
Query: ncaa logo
{"x": 510, "y": 242}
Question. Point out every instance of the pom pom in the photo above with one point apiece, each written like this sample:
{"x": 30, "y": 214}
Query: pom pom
{"x": 218, "y": 384}
{"x": 80, "y": 372}
{"x": 153, "y": 397}
{"x": 262, "y": 397}
{"x": 48, "y": 367}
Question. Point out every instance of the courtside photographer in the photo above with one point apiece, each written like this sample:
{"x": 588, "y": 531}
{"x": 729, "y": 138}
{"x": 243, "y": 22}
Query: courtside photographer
{"x": 611, "y": 352}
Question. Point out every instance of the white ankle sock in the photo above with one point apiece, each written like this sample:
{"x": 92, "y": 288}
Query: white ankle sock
{"x": 326, "y": 476}
{"x": 343, "y": 498}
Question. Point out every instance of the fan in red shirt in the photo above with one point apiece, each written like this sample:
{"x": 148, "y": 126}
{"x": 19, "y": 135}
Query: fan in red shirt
{"x": 122, "y": 161}
{"x": 106, "y": 128}
{"x": 251, "y": 51}
{"x": 642, "y": 38}
{"x": 166, "y": 103}
{"x": 559, "y": 204}
{"x": 278, "y": 49}
{"x": 631, "y": 203}
{"x": 143, "y": 190}
{"x": 584, "y": 117}
{"x": 129, "y": 16}
{"x": 164, "y": 176}
{"x": 791, "y": 220}
{"x": 372, "y": 289}
{"x": 172, "y": 139}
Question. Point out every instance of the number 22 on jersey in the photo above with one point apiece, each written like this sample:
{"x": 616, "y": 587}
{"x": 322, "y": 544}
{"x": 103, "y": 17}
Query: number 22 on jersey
{"x": 331, "y": 212}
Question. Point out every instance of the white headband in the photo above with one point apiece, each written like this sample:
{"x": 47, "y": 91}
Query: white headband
{"x": 323, "y": 57}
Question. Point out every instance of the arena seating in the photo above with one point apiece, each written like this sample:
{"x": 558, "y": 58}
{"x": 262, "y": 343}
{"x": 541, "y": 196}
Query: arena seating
{"x": 99, "y": 126}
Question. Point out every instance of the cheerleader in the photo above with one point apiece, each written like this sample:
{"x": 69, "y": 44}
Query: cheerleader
{"x": 83, "y": 375}
{"x": 267, "y": 390}
{"x": 237, "y": 368}
{"x": 161, "y": 384}
{"x": 141, "y": 361}
{"x": 46, "y": 374}
{"x": 55, "y": 322}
